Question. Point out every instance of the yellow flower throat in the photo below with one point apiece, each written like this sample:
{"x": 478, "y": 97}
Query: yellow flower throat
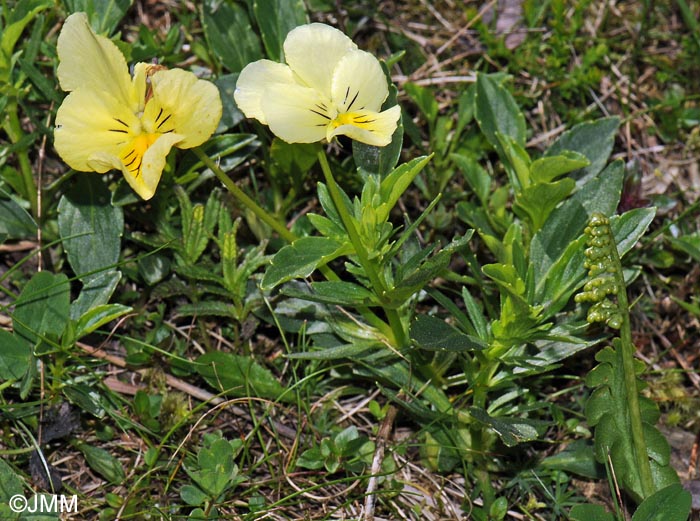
{"x": 353, "y": 118}
{"x": 134, "y": 149}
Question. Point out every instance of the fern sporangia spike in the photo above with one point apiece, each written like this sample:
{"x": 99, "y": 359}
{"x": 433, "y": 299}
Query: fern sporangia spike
{"x": 623, "y": 420}
{"x": 600, "y": 261}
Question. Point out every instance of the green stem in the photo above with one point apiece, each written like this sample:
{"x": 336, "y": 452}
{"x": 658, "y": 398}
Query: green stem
{"x": 479, "y": 445}
{"x": 397, "y": 328}
{"x": 239, "y": 194}
{"x": 283, "y": 232}
{"x": 627, "y": 351}
{"x": 399, "y": 332}
{"x": 14, "y": 132}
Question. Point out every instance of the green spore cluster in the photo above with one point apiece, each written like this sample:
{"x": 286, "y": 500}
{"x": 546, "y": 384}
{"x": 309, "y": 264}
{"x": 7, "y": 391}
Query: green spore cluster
{"x": 601, "y": 270}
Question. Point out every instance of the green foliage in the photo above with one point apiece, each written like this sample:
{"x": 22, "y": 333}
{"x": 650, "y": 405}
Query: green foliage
{"x": 590, "y": 513}
{"x": 275, "y": 18}
{"x": 15, "y": 69}
{"x": 381, "y": 160}
{"x": 15, "y": 222}
{"x": 10, "y": 485}
{"x": 448, "y": 140}
{"x": 41, "y": 310}
{"x": 511, "y": 431}
{"x": 347, "y": 450}
{"x": 360, "y": 229}
{"x": 237, "y": 375}
{"x": 550, "y": 58}
{"x": 102, "y": 462}
{"x": 671, "y": 503}
{"x": 91, "y": 229}
{"x": 230, "y": 36}
{"x": 301, "y": 258}
{"x": 104, "y": 15}
{"x": 15, "y": 357}
{"x": 97, "y": 317}
{"x": 14, "y": 22}
{"x": 434, "y": 275}
{"x": 433, "y": 334}
{"x": 207, "y": 255}
{"x": 497, "y": 113}
{"x": 624, "y": 421}
{"x": 213, "y": 473}
{"x": 577, "y": 458}
{"x": 592, "y": 139}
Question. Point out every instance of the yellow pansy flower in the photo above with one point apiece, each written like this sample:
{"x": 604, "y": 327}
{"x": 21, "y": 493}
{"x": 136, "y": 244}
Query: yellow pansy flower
{"x": 111, "y": 120}
{"x": 327, "y": 88}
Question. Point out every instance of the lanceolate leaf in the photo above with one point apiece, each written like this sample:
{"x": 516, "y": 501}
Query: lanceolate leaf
{"x": 98, "y": 317}
{"x": 395, "y": 184}
{"x": 95, "y": 293}
{"x": 301, "y": 258}
{"x": 353, "y": 351}
{"x": 512, "y": 431}
{"x": 578, "y": 459}
{"x": 237, "y": 375}
{"x": 629, "y": 227}
{"x": 102, "y": 462}
{"x": 433, "y": 334}
{"x": 546, "y": 169}
{"x": 497, "y": 111}
{"x": 335, "y": 292}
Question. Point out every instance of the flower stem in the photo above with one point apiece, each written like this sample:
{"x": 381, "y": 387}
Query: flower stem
{"x": 626, "y": 354}
{"x": 14, "y": 131}
{"x": 397, "y": 327}
{"x": 239, "y": 194}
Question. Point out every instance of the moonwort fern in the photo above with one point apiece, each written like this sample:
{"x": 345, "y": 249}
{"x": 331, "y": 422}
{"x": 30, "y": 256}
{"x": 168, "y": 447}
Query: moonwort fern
{"x": 625, "y": 436}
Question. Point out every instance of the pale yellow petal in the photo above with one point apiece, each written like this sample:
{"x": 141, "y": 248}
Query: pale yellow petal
{"x": 253, "y": 80}
{"x": 313, "y": 52}
{"x": 144, "y": 174}
{"x": 104, "y": 162}
{"x": 183, "y": 104}
{"x": 139, "y": 83}
{"x": 359, "y": 83}
{"x": 371, "y": 128}
{"x": 89, "y": 61}
{"x": 88, "y": 122}
{"x": 296, "y": 114}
